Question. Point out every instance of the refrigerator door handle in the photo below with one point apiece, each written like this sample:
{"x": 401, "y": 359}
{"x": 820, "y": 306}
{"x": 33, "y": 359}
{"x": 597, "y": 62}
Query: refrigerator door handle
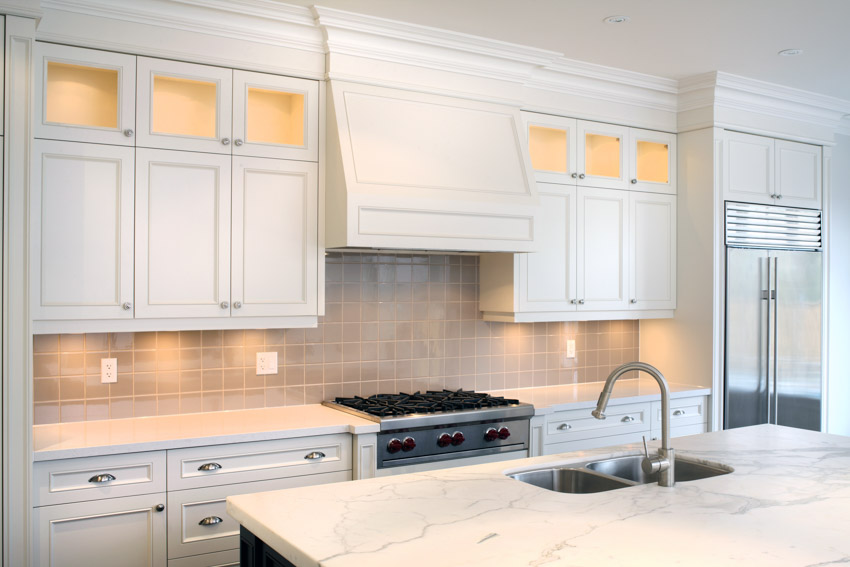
{"x": 767, "y": 295}
{"x": 775, "y": 395}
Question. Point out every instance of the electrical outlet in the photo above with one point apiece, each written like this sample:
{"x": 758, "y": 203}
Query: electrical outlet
{"x": 108, "y": 370}
{"x": 266, "y": 363}
{"x": 571, "y": 348}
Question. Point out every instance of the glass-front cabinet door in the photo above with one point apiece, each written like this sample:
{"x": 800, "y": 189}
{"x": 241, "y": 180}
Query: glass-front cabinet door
{"x": 552, "y": 147}
{"x": 653, "y": 161}
{"x": 184, "y": 106}
{"x": 602, "y": 155}
{"x": 275, "y": 117}
{"x": 84, "y": 95}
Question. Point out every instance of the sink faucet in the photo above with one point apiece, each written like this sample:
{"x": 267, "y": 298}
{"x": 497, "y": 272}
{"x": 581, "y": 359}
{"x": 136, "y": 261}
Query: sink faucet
{"x": 664, "y": 462}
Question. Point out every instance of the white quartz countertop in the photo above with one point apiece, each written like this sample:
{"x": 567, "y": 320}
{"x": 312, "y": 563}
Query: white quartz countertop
{"x": 109, "y": 437}
{"x": 549, "y": 399}
{"x": 786, "y": 503}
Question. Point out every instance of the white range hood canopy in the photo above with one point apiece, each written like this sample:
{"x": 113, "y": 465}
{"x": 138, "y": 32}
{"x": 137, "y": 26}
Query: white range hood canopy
{"x": 415, "y": 171}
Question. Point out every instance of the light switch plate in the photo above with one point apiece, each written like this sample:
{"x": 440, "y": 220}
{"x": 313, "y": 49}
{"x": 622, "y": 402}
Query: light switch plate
{"x": 266, "y": 363}
{"x": 108, "y": 370}
{"x": 571, "y": 348}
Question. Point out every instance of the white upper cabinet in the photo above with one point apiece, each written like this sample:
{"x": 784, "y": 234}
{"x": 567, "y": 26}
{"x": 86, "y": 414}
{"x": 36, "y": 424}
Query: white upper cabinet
{"x": 84, "y": 95}
{"x": 798, "y": 175}
{"x": 652, "y": 251}
{"x": 184, "y": 106}
{"x": 552, "y": 147}
{"x": 275, "y": 117}
{"x": 603, "y": 229}
{"x": 81, "y": 223}
{"x": 652, "y": 161}
{"x": 182, "y": 234}
{"x": 275, "y": 240}
{"x": 748, "y": 168}
{"x": 603, "y": 156}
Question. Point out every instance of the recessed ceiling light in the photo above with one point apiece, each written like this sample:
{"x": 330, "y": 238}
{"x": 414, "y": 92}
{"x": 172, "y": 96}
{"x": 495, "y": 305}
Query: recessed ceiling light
{"x": 616, "y": 19}
{"x": 790, "y": 52}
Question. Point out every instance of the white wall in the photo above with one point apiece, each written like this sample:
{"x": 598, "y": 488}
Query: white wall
{"x": 838, "y": 402}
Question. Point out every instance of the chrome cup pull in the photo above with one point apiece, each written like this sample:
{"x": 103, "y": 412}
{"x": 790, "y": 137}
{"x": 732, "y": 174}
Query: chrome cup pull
{"x": 628, "y": 419}
{"x": 314, "y": 455}
{"x": 210, "y": 521}
{"x": 101, "y": 478}
{"x": 679, "y": 412}
{"x": 209, "y": 467}
{"x": 564, "y": 427}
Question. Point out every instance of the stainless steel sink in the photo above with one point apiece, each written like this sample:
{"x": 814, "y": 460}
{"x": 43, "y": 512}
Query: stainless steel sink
{"x": 571, "y": 480}
{"x": 629, "y": 468}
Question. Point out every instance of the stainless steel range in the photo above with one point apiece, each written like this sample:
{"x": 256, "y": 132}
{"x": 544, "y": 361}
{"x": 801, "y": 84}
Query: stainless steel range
{"x": 422, "y": 431}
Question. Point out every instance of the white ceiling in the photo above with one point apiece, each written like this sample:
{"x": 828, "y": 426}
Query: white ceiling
{"x": 667, "y": 38}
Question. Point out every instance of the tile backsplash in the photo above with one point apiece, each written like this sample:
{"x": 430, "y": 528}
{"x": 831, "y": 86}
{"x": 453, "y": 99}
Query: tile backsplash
{"x": 394, "y": 322}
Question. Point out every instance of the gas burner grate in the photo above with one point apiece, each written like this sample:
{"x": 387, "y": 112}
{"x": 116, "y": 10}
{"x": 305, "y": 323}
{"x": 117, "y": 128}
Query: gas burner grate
{"x": 432, "y": 401}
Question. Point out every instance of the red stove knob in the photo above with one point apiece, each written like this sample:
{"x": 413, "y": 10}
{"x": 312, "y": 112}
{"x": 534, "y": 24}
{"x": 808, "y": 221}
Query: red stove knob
{"x": 394, "y": 446}
{"x": 444, "y": 440}
{"x": 491, "y": 434}
{"x": 408, "y": 444}
{"x": 458, "y": 438}
{"x": 504, "y": 433}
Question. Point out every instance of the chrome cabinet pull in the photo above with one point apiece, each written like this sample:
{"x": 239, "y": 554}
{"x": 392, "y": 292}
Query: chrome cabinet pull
{"x": 224, "y": 305}
{"x": 778, "y": 196}
{"x": 101, "y": 478}
{"x": 129, "y": 133}
{"x": 314, "y": 455}
{"x": 565, "y": 427}
{"x": 126, "y": 306}
{"x": 237, "y": 304}
{"x": 633, "y": 301}
{"x": 209, "y": 467}
{"x": 574, "y": 175}
{"x": 679, "y": 412}
{"x": 628, "y": 419}
{"x": 581, "y": 302}
{"x": 225, "y": 141}
{"x": 573, "y": 301}
{"x": 237, "y": 142}
{"x": 210, "y": 521}
{"x": 634, "y": 181}
{"x": 159, "y": 507}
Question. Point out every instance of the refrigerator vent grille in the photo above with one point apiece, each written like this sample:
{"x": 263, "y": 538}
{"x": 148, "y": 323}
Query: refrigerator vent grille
{"x": 766, "y": 226}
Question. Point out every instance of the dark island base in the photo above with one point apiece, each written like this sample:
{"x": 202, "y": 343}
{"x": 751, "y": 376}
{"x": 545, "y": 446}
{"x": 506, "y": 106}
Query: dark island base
{"x": 253, "y": 552}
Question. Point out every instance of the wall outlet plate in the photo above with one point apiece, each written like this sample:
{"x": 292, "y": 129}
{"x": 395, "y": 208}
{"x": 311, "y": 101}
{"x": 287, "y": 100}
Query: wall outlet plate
{"x": 108, "y": 370}
{"x": 266, "y": 363}
{"x": 571, "y": 348}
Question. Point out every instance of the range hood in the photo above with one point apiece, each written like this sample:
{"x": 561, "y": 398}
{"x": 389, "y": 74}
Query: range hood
{"x": 415, "y": 171}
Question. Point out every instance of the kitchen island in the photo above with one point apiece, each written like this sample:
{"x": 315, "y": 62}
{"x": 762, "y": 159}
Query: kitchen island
{"x": 786, "y": 503}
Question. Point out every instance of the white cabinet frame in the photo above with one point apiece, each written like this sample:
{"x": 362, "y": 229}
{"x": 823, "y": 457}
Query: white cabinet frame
{"x": 652, "y": 251}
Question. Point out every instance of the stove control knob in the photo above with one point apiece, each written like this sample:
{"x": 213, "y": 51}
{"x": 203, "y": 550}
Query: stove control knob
{"x": 504, "y": 433}
{"x": 491, "y": 434}
{"x": 444, "y": 440}
{"x": 408, "y": 444}
{"x": 394, "y": 446}
{"x": 457, "y": 438}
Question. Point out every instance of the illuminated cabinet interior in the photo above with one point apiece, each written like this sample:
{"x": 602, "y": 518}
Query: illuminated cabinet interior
{"x": 548, "y": 148}
{"x": 275, "y": 117}
{"x": 602, "y": 155}
{"x": 184, "y": 107}
{"x": 80, "y": 95}
{"x": 652, "y": 161}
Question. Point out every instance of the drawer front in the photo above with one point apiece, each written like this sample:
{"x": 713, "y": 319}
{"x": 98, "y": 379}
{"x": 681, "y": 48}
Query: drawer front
{"x": 229, "y": 558}
{"x": 198, "y": 522}
{"x": 593, "y": 443}
{"x": 683, "y": 411}
{"x": 573, "y": 425}
{"x": 681, "y": 431}
{"x": 93, "y": 478}
{"x": 261, "y": 460}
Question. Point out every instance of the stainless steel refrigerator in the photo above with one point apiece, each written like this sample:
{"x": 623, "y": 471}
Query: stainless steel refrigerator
{"x": 774, "y": 291}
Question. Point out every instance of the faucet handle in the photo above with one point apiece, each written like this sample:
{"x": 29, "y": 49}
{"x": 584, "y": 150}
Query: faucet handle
{"x": 645, "y": 450}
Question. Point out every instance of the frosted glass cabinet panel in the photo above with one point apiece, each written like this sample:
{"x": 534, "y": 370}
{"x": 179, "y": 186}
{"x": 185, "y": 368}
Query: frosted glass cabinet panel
{"x": 603, "y": 155}
{"x": 552, "y": 146}
{"x": 81, "y": 223}
{"x": 84, "y": 95}
{"x": 653, "y": 161}
{"x": 184, "y": 106}
{"x": 275, "y": 116}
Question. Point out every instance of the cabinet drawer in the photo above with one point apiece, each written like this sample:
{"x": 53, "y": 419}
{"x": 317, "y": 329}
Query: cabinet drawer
{"x": 94, "y": 478}
{"x": 573, "y": 425}
{"x": 593, "y": 443}
{"x": 683, "y": 411}
{"x": 229, "y": 558}
{"x": 262, "y": 460}
{"x": 681, "y": 431}
{"x": 198, "y": 521}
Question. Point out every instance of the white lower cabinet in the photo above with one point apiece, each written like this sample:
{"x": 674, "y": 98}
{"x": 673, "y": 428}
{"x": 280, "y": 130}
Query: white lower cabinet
{"x": 129, "y": 531}
{"x": 229, "y": 558}
{"x": 687, "y": 417}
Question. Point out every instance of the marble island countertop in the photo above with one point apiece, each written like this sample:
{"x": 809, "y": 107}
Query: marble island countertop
{"x": 786, "y": 503}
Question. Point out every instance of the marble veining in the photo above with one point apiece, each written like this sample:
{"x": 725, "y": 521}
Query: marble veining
{"x": 786, "y": 503}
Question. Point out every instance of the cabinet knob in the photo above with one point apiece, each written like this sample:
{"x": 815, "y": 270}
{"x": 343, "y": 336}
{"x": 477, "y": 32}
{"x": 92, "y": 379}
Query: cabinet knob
{"x": 126, "y": 306}
{"x": 679, "y": 412}
{"x": 237, "y": 304}
{"x": 573, "y": 301}
{"x": 210, "y": 521}
{"x": 773, "y": 195}
{"x": 778, "y": 196}
{"x": 314, "y": 455}
{"x": 209, "y": 467}
{"x": 225, "y": 141}
{"x": 237, "y": 142}
{"x": 564, "y": 427}
{"x": 574, "y": 175}
{"x": 129, "y": 132}
{"x": 628, "y": 419}
{"x": 581, "y": 176}
{"x": 159, "y": 507}
{"x": 581, "y": 302}
{"x": 224, "y": 305}
{"x": 634, "y": 181}
{"x": 101, "y": 478}
{"x": 633, "y": 300}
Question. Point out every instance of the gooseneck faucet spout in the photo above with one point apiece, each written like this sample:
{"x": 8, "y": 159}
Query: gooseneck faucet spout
{"x": 664, "y": 463}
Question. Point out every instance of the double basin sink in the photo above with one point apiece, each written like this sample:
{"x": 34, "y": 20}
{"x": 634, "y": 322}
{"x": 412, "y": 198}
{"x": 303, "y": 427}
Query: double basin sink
{"x": 611, "y": 474}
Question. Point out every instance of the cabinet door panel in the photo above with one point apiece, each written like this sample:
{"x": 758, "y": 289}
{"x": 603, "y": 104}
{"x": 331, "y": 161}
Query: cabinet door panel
{"x": 84, "y": 95}
{"x": 652, "y": 256}
{"x": 275, "y": 117}
{"x": 552, "y": 146}
{"x": 183, "y": 106}
{"x": 602, "y": 155}
{"x": 119, "y": 531}
{"x": 275, "y": 237}
{"x": 653, "y": 161}
{"x": 748, "y": 168}
{"x": 603, "y": 228}
{"x": 798, "y": 174}
{"x": 547, "y": 278}
{"x": 82, "y": 235}
{"x": 182, "y": 234}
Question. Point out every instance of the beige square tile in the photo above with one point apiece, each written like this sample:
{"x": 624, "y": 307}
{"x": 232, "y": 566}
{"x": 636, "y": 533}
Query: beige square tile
{"x": 72, "y": 388}
{"x": 233, "y": 400}
{"x": 45, "y": 365}
{"x": 168, "y": 405}
{"x": 190, "y": 381}
{"x": 190, "y": 339}
{"x": 294, "y": 354}
{"x": 190, "y": 359}
{"x": 97, "y": 341}
{"x": 95, "y": 388}
{"x": 211, "y": 339}
{"x": 45, "y": 343}
{"x": 313, "y": 374}
{"x": 315, "y": 335}
{"x": 121, "y": 341}
{"x": 97, "y": 410}
{"x": 168, "y": 382}
{"x": 45, "y": 390}
{"x": 233, "y": 379}
{"x": 332, "y": 373}
{"x": 233, "y": 357}
{"x": 275, "y": 336}
{"x": 190, "y": 403}
{"x": 168, "y": 339}
{"x": 211, "y": 380}
{"x": 294, "y": 396}
{"x": 211, "y": 358}
{"x": 313, "y": 395}
{"x": 72, "y": 411}
{"x": 123, "y": 387}
{"x": 145, "y": 341}
{"x": 72, "y": 363}
{"x": 144, "y": 406}
{"x": 295, "y": 375}
{"x": 92, "y": 362}
{"x": 255, "y": 337}
{"x": 253, "y": 381}
{"x": 212, "y": 401}
{"x": 295, "y": 336}
{"x": 276, "y": 380}
{"x": 233, "y": 338}
{"x": 255, "y": 398}
{"x": 144, "y": 361}
{"x": 275, "y": 397}
{"x": 120, "y": 408}
{"x": 125, "y": 360}
{"x": 144, "y": 384}
{"x": 72, "y": 343}
{"x": 167, "y": 360}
